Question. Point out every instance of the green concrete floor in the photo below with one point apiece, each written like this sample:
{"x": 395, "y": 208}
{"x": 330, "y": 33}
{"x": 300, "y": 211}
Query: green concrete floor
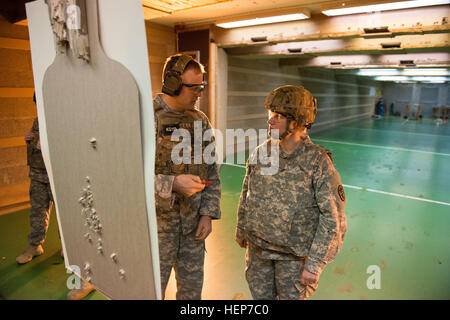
{"x": 45, "y": 276}
{"x": 380, "y": 162}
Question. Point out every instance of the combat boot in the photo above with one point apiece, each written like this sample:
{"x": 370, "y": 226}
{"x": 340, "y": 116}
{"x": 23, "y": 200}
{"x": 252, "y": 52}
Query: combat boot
{"x": 78, "y": 294}
{"x": 29, "y": 254}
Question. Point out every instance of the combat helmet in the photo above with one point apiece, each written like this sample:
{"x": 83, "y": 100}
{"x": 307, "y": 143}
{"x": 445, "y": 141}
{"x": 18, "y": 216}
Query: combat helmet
{"x": 293, "y": 102}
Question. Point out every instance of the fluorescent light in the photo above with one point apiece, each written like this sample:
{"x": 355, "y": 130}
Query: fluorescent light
{"x": 378, "y": 72}
{"x": 384, "y": 7}
{"x": 265, "y": 20}
{"x": 430, "y": 79}
{"x": 403, "y": 72}
{"x": 426, "y": 72}
{"x": 419, "y": 79}
{"x": 392, "y": 78}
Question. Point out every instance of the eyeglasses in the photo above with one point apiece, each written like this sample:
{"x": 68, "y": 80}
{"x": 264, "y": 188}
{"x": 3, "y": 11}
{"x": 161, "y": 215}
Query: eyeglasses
{"x": 196, "y": 87}
{"x": 276, "y": 116}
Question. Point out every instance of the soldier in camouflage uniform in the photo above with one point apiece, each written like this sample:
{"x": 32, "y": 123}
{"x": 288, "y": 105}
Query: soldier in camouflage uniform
{"x": 292, "y": 221}
{"x": 188, "y": 193}
{"x": 41, "y": 198}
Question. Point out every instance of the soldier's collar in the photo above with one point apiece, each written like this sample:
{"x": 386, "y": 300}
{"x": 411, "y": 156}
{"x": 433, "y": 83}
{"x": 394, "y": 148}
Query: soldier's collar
{"x": 304, "y": 140}
{"x": 162, "y": 104}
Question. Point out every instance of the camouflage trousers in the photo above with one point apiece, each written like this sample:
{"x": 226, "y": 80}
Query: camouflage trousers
{"x": 186, "y": 256}
{"x": 275, "y": 279}
{"x": 41, "y": 200}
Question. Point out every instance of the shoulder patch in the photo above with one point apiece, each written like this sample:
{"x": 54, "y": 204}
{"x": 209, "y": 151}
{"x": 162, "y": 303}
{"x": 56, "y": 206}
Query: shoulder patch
{"x": 341, "y": 192}
{"x": 324, "y": 150}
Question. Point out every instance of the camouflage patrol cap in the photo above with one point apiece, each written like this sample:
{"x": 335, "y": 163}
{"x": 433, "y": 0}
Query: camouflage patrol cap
{"x": 293, "y": 101}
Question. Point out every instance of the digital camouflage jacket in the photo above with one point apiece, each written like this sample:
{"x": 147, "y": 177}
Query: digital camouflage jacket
{"x": 299, "y": 211}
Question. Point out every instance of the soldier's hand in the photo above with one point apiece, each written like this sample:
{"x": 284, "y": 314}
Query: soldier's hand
{"x": 204, "y": 228}
{"x": 241, "y": 242}
{"x": 187, "y": 184}
{"x": 308, "y": 277}
{"x": 29, "y": 136}
{"x": 38, "y": 145}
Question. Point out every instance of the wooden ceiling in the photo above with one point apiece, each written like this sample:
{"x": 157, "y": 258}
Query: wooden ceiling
{"x": 172, "y": 12}
{"x": 356, "y": 39}
{"x": 164, "y": 7}
{"x": 420, "y": 31}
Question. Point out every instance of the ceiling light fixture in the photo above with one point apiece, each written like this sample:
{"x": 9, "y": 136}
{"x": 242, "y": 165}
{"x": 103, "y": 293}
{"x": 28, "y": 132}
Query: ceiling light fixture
{"x": 384, "y": 7}
{"x": 378, "y": 72}
{"x": 430, "y": 79}
{"x": 392, "y": 78}
{"x": 426, "y": 72}
{"x": 404, "y": 72}
{"x": 263, "y": 20}
{"x": 418, "y": 79}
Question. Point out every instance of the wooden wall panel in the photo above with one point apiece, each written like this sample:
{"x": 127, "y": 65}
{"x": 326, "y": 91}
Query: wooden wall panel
{"x": 161, "y": 44}
{"x": 11, "y": 156}
{"x": 15, "y": 59}
{"x": 14, "y": 197}
{"x": 9, "y": 30}
{"x": 17, "y": 108}
{"x": 13, "y": 175}
{"x": 15, "y": 68}
{"x": 20, "y": 78}
{"x": 17, "y": 112}
{"x": 15, "y": 127}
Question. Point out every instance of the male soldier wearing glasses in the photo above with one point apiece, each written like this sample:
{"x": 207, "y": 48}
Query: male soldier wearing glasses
{"x": 187, "y": 194}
